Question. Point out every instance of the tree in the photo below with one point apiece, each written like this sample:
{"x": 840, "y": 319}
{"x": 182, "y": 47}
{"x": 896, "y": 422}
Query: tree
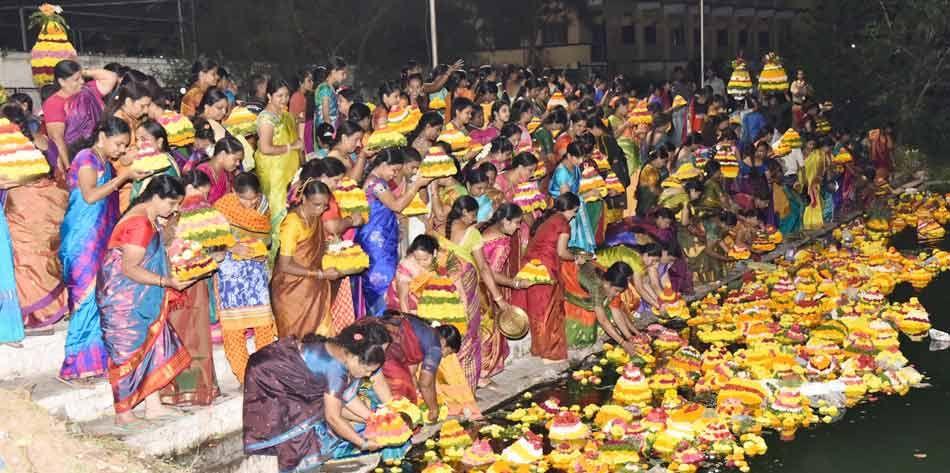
{"x": 880, "y": 61}
{"x": 376, "y": 37}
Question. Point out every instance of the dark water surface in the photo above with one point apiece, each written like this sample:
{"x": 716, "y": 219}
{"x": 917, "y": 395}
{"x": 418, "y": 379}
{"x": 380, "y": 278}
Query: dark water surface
{"x": 899, "y": 434}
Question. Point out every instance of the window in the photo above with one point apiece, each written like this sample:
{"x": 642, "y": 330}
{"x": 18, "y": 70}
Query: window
{"x": 554, "y": 33}
{"x": 764, "y": 40}
{"x": 677, "y": 37}
{"x": 722, "y": 38}
{"x": 743, "y": 38}
{"x": 598, "y": 44}
{"x": 628, "y": 34}
{"x": 649, "y": 35}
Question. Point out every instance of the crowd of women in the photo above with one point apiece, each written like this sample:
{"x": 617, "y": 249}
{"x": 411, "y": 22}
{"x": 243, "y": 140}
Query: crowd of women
{"x": 88, "y": 241}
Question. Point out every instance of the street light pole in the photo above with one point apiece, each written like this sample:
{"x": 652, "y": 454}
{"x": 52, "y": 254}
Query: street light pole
{"x": 434, "y": 36}
{"x": 702, "y": 44}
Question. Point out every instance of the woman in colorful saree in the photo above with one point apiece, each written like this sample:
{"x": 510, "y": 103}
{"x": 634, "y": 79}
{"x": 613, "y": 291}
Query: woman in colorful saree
{"x": 73, "y": 111}
{"x": 278, "y": 154}
{"x": 204, "y": 75}
{"x": 589, "y": 293}
{"x": 34, "y": 212}
{"x": 300, "y": 288}
{"x": 336, "y": 227}
{"x": 498, "y": 237}
{"x": 91, "y": 213}
{"x": 144, "y": 351}
{"x": 190, "y": 313}
{"x": 567, "y": 178}
{"x": 241, "y": 284}
{"x": 11, "y": 318}
{"x": 300, "y": 400}
{"x": 379, "y": 237}
{"x": 466, "y": 265}
{"x": 416, "y": 344}
{"x": 544, "y": 303}
{"x": 150, "y": 134}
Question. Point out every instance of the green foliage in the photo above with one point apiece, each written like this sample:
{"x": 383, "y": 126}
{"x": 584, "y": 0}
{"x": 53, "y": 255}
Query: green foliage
{"x": 880, "y": 61}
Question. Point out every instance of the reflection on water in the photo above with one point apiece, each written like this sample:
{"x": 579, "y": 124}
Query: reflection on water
{"x": 909, "y": 434}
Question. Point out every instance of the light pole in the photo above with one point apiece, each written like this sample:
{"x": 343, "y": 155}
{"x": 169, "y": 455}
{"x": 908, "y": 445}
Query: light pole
{"x": 435, "y": 41}
{"x": 702, "y": 44}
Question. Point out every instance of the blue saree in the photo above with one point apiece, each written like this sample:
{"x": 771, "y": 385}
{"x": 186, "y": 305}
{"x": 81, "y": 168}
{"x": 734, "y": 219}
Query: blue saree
{"x": 144, "y": 351}
{"x": 582, "y": 236}
{"x": 11, "y": 318}
{"x": 283, "y": 405}
{"x": 379, "y": 238}
{"x": 84, "y": 233}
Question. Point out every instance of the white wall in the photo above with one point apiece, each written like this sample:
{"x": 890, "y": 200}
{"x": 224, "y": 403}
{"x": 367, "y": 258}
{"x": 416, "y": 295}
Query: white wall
{"x": 16, "y": 76}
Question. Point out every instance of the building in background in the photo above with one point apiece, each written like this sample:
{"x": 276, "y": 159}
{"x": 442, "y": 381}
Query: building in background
{"x": 650, "y": 38}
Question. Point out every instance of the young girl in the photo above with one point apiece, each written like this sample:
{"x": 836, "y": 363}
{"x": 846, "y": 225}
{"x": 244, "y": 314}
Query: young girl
{"x": 189, "y": 312}
{"x": 427, "y": 131}
{"x": 379, "y": 237}
{"x": 242, "y": 282}
{"x": 418, "y": 262}
{"x": 326, "y": 96}
{"x": 213, "y": 108}
{"x": 220, "y": 169}
{"x": 204, "y": 75}
{"x": 347, "y": 149}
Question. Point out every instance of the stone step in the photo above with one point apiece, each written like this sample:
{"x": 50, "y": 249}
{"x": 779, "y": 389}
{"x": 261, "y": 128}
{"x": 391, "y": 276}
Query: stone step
{"x": 84, "y": 403}
{"x": 39, "y": 355}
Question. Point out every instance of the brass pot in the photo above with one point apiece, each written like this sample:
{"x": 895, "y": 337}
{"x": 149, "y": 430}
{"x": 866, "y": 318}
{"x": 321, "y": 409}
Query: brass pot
{"x": 513, "y": 323}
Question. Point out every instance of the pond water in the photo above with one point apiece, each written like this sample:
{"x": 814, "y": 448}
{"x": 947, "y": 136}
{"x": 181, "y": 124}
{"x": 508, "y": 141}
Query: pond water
{"x": 905, "y": 434}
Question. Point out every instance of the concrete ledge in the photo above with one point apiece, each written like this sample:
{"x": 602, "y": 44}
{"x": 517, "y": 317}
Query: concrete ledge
{"x": 39, "y": 355}
{"x": 87, "y": 403}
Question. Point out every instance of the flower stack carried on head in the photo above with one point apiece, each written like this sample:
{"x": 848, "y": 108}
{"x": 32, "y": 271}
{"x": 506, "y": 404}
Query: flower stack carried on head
{"x": 740, "y": 83}
{"x": 387, "y": 428}
{"x": 557, "y": 100}
{"x": 613, "y": 183}
{"x": 773, "y": 78}
{"x": 460, "y": 142}
{"x": 728, "y": 162}
{"x": 180, "y": 130}
{"x": 241, "y": 122}
{"x": 535, "y": 272}
{"x": 351, "y": 198}
{"x": 189, "y": 260}
{"x": 19, "y": 158}
{"x": 439, "y": 301}
{"x": 149, "y": 159}
{"x": 385, "y": 138}
{"x": 592, "y": 186}
{"x": 52, "y": 44}
{"x": 640, "y": 114}
{"x": 346, "y": 257}
{"x": 403, "y": 120}
{"x": 437, "y": 164}
{"x": 203, "y": 223}
{"x": 416, "y": 207}
{"x": 599, "y": 159}
{"x": 529, "y": 197}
